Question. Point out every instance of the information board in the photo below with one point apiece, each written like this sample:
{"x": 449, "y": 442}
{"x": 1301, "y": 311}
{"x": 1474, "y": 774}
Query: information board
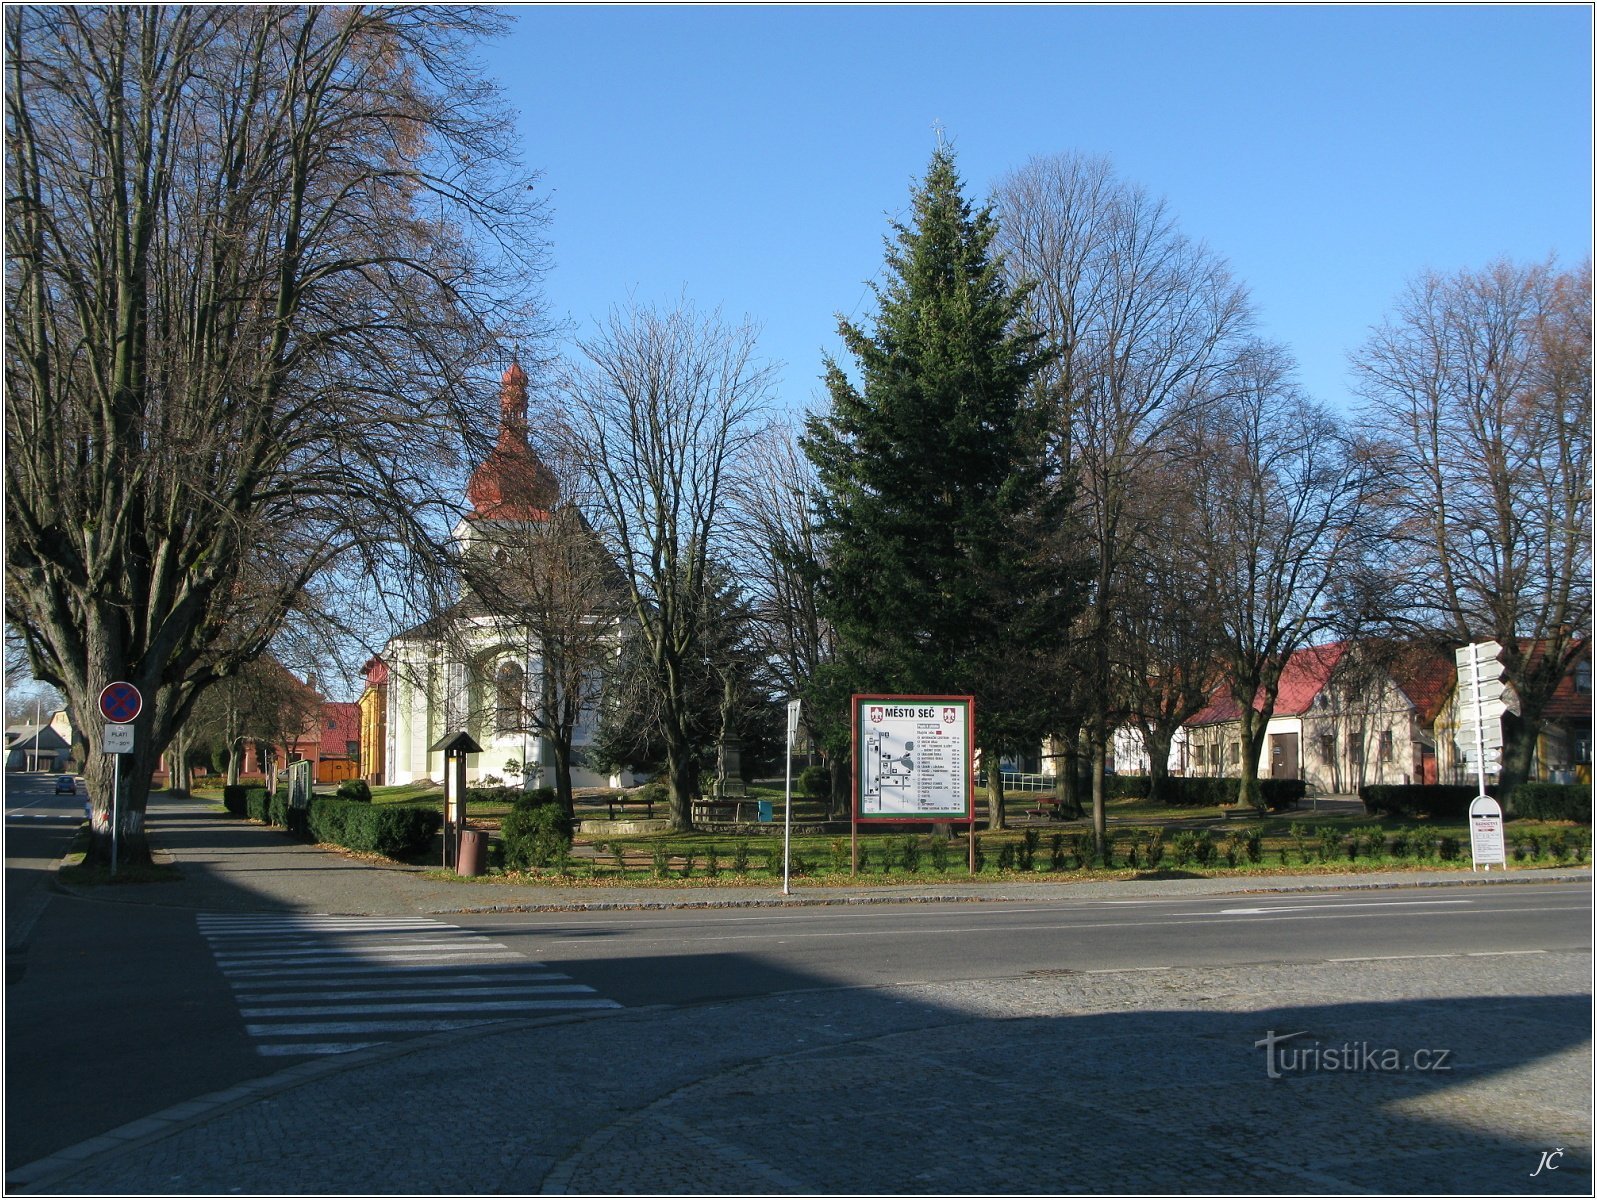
{"x": 912, "y": 757}
{"x": 1486, "y": 832}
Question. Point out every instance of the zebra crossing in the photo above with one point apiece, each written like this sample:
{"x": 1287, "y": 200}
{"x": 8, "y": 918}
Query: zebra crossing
{"x": 308, "y": 985}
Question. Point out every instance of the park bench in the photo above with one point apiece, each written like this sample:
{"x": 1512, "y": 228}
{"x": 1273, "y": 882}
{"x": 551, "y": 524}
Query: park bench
{"x": 720, "y": 809}
{"x": 621, "y": 801}
{"x": 1046, "y": 807}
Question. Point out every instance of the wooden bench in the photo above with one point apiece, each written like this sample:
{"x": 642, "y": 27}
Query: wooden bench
{"x": 712, "y": 810}
{"x": 1046, "y": 808}
{"x": 623, "y": 801}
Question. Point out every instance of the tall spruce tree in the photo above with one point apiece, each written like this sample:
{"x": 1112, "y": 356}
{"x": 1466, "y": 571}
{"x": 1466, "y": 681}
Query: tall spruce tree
{"x": 941, "y": 516}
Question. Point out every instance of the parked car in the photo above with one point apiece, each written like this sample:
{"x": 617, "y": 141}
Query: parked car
{"x": 65, "y": 784}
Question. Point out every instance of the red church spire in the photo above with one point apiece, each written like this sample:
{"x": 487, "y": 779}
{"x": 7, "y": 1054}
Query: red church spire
{"x": 512, "y": 483}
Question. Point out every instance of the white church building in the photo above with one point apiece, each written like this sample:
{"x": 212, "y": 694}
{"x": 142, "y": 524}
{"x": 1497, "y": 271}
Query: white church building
{"x": 469, "y": 667}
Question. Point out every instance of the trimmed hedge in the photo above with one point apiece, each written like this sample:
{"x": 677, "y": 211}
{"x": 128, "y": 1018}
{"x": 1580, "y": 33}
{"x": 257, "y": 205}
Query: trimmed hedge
{"x": 1182, "y": 791}
{"x": 235, "y": 799}
{"x": 389, "y": 829}
{"x": 256, "y": 806}
{"x": 1440, "y": 801}
{"x": 1553, "y": 801}
{"x": 512, "y": 796}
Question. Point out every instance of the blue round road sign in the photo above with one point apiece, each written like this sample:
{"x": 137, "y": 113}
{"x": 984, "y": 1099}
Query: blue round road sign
{"x": 120, "y": 703}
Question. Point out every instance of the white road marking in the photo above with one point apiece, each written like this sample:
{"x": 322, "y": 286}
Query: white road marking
{"x": 383, "y": 975}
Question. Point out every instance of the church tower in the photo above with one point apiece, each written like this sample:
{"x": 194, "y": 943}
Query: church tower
{"x": 512, "y": 487}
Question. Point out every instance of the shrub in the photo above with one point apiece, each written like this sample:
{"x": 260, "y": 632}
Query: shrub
{"x": 1553, "y": 802}
{"x": 687, "y": 865}
{"x": 514, "y": 796}
{"x": 1329, "y": 839}
{"x": 1056, "y": 852}
{"x": 534, "y": 835}
{"x": 277, "y": 809}
{"x": 981, "y": 855}
{"x": 1006, "y": 857}
{"x": 1030, "y": 840}
{"x": 1373, "y": 840}
{"x": 234, "y": 797}
{"x": 389, "y": 829}
{"x": 1447, "y": 848}
{"x": 356, "y": 790}
{"x": 909, "y": 852}
{"x": 660, "y": 860}
{"x": 257, "y": 804}
{"x": 1155, "y": 851}
{"x": 1084, "y": 848}
{"x": 1183, "y": 847}
{"x": 1438, "y": 800}
{"x": 1399, "y": 847}
{"x": 712, "y": 862}
{"x": 939, "y": 854}
{"x": 815, "y": 782}
{"x": 839, "y": 852}
{"x": 888, "y": 858}
{"x": 1204, "y": 849}
{"x": 740, "y": 858}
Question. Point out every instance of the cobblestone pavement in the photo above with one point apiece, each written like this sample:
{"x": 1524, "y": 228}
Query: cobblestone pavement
{"x": 1126, "y": 1082}
{"x": 1131, "y": 1081}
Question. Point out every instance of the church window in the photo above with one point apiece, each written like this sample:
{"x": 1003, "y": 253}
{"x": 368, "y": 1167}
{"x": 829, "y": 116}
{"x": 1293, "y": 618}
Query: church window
{"x": 508, "y": 683}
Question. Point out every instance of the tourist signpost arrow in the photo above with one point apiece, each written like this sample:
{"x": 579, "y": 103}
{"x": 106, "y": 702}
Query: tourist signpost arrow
{"x": 1488, "y": 700}
{"x": 120, "y": 704}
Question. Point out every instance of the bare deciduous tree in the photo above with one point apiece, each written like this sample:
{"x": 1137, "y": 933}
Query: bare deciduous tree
{"x": 1480, "y": 383}
{"x": 253, "y": 253}
{"x": 661, "y": 411}
{"x": 1144, "y": 324}
{"x": 1283, "y": 499}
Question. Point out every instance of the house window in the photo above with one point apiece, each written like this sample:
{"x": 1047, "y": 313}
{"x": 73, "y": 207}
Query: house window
{"x": 507, "y": 695}
{"x": 1583, "y": 677}
{"x": 1355, "y": 751}
{"x": 1386, "y": 745}
{"x": 1236, "y": 752}
{"x": 1580, "y": 749}
{"x": 1328, "y": 746}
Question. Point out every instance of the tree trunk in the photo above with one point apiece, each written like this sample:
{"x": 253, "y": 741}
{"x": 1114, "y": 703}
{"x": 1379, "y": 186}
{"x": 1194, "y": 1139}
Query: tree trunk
{"x": 1067, "y": 781}
{"x": 681, "y": 768}
{"x": 842, "y": 788}
{"x": 995, "y": 794}
{"x": 235, "y": 755}
{"x": 1100, "y": 815}
{"x": 1252, "y": 726}
{"x": 1519, "y": 754}
{"x": 180, "y": 778}
{"x": 1156, "y": 738}
{"x": 561, "y": 743}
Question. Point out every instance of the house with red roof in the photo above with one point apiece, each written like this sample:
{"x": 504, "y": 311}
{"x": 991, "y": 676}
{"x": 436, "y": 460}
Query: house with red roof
{"x": 1346, "y": 714}
{"x": 1563, "y": 748}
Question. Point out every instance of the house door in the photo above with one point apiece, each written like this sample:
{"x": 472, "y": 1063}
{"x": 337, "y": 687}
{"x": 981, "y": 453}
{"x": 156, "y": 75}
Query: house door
{"x": 1283, "y": 756}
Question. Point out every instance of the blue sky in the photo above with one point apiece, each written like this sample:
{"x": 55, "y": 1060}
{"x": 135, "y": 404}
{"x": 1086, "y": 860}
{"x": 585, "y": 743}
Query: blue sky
{"x": 750, "y": 157}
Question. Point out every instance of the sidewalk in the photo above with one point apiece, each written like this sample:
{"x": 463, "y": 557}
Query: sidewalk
{"x": 230, "y": 865}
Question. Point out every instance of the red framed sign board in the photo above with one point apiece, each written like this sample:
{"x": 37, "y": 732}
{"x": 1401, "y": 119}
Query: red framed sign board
{"x": 914, "y": 758}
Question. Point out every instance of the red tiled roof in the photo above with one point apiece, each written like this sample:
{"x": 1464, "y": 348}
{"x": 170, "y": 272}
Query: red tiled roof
{"x": 1426, "y": 677}
{"x": 1302, "y": 679}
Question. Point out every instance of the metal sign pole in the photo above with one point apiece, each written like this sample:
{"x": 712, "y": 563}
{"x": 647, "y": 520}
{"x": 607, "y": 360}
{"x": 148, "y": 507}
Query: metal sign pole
{"x": 116, "y": 796}
{"x": 787, "y": 808}
{"x": 1480, "y": 718}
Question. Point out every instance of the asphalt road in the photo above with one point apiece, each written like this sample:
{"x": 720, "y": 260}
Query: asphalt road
{"x": 689, "y": 957}
{"x": 119, "y": 1010}
{"x": 39, "y": 827}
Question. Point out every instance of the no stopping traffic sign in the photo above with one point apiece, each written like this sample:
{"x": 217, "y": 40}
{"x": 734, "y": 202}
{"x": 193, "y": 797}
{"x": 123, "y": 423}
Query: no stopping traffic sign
{"x": 120, "y": 702}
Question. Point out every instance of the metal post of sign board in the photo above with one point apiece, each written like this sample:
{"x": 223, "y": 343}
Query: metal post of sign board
{"x": 787, "y": 811}
{"x": 1480, "y": 723}
{"x": 116, "y": 795}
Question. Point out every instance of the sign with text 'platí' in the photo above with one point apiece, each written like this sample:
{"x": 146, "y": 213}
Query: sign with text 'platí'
{"x": 913, "y": 757}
